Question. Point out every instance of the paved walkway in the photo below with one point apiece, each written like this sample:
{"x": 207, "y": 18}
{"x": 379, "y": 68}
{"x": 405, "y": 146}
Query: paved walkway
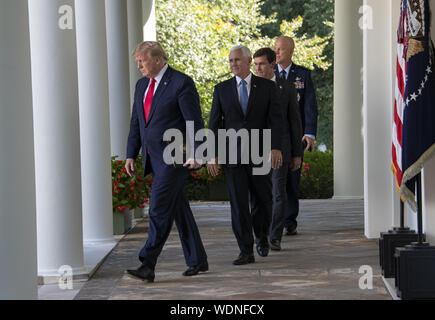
{"x": 322, "y": 262}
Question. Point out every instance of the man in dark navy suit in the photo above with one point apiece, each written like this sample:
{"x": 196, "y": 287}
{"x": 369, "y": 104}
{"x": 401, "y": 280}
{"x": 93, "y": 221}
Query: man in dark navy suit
{"x": 265, "y": 61}
{"x": 247, "y": 102}
{"x": 301, "y": 78}
{"x": 164, "y": 99}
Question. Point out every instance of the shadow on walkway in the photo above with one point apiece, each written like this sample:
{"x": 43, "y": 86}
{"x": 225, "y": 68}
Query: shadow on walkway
{"x": 321, "y": 262}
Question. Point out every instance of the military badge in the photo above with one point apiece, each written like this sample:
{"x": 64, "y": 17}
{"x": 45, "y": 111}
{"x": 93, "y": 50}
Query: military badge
{"x": 299, "y": 85}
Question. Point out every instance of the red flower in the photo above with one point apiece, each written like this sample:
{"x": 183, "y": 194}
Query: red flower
{"x": 133, "y": 183}
{"x": 146, "y": 201}
{"x": 141, "y": 207}
{"x": 307, "y": 167}
{"x": 132, "y": 188}
{"x": 119, "y": 163}
{"x": 116, "y": 188}
{"x": 122, "y": 208}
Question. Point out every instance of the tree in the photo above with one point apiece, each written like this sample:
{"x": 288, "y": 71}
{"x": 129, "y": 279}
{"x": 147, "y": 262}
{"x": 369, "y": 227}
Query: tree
{"x": 198, "y": 35}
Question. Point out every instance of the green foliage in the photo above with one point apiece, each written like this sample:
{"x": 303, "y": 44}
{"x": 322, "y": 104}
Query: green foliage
{"x": 317, "y": 181}
{"x": 198, "y": 35}
{"x": 129, "y": 192}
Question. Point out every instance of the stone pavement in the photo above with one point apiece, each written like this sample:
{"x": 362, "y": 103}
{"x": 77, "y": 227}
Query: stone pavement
{"x": 321, "y": 262}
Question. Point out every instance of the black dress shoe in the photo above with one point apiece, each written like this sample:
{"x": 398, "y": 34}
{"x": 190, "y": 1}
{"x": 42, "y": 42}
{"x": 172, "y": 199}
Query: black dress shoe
{"x": 244, "y": 259}
{"x": 143, "y": 273}
{"x": 275, "y": 245}
{"x": 291, "y": 232}
{"x": 193, "y": 271}
{"x": 263, "y": 249}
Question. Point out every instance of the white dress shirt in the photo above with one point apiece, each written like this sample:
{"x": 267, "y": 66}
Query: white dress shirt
{"x": 158, "y": 78}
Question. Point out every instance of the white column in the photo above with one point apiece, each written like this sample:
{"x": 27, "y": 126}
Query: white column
{"x": 18, "y": 266}
{"x": 149, "y": 20}
{"x": 378, "y": 104}
{"x": 348, "y": 102}
{"x": 94, "y": 121}
{"x": 57, "y": 136}
{"x": 135, "y": 36}
{"x": 119, "y": 78}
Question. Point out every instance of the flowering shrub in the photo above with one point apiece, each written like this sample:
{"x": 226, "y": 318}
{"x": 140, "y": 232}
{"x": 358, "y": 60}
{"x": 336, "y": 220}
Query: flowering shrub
{"x": 129, "y": 192}
{"x": 317, "y": 180}
{"x": 202, "y": 174}
{"x": 198, "y": 183}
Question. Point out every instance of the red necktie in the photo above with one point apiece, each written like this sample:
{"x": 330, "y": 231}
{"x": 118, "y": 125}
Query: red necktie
{"x": 149, "y": 99}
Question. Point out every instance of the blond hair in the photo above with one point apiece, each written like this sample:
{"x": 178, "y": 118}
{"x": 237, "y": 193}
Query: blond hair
{"x": 153, "y": 47}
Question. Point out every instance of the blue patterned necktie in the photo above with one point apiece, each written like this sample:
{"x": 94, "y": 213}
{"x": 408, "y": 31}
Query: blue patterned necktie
{"x": 283, "y": 75}
{"x": 244, "y": 97}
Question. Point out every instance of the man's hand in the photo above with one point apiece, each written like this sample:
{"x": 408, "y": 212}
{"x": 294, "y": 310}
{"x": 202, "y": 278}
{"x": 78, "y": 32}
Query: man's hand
{"x": 276, "y": 159}
{"x": 310, "y": 143}
{"x": 192, "y": 164}
{"x": 129, "y": 166}
{"x": 296, "y": 163}
{"x": 213, "y": 167}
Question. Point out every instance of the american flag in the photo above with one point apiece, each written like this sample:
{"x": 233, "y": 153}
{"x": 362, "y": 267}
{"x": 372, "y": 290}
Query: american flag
{"x": 414, "y": 108}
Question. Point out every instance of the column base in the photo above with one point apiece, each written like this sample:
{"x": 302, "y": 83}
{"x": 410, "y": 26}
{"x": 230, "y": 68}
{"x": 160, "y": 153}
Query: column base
{"x": 53, "y": 276}
{"x": 348, "y": 198}
{"x": 95, "y": 253}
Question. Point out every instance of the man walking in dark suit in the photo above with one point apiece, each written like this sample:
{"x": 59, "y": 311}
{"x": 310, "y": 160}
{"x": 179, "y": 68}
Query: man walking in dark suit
{"x": 264, "y": 62}
{"x": 164, "y": 99}
{"x": 301, "y": 78}
{"x": 246, "y": 102}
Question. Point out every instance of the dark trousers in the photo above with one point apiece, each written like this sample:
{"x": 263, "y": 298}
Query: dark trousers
{"x": 243, "y": 188}
{"x": 279, "y": 188}
{"x": 292, "y": 211}
{"x": 168, "y": 203}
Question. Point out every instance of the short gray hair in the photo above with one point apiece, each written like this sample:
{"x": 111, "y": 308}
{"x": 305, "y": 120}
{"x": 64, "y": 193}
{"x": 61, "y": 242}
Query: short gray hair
{"x": 153, "y": 47}
{"x": 245, "y": 50}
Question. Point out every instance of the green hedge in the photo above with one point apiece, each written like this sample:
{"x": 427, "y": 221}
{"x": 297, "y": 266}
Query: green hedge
{"x": 316, "y": 181}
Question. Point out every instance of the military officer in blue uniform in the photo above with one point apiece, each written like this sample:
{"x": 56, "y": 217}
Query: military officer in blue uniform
{"x": 301, "y": 78}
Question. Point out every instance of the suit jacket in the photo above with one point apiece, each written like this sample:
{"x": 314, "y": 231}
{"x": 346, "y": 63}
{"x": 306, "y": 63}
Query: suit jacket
{"x": 292, "y": 125}
{"x": 263, "y": 111}
{"x": 301, "y": 78}
{"x": 175, "y": 101}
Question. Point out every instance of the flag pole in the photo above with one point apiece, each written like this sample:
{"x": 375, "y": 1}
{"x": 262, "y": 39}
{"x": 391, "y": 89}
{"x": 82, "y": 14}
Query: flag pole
{"x": 419, "y": 211}
{"x": 402, "y": 215}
